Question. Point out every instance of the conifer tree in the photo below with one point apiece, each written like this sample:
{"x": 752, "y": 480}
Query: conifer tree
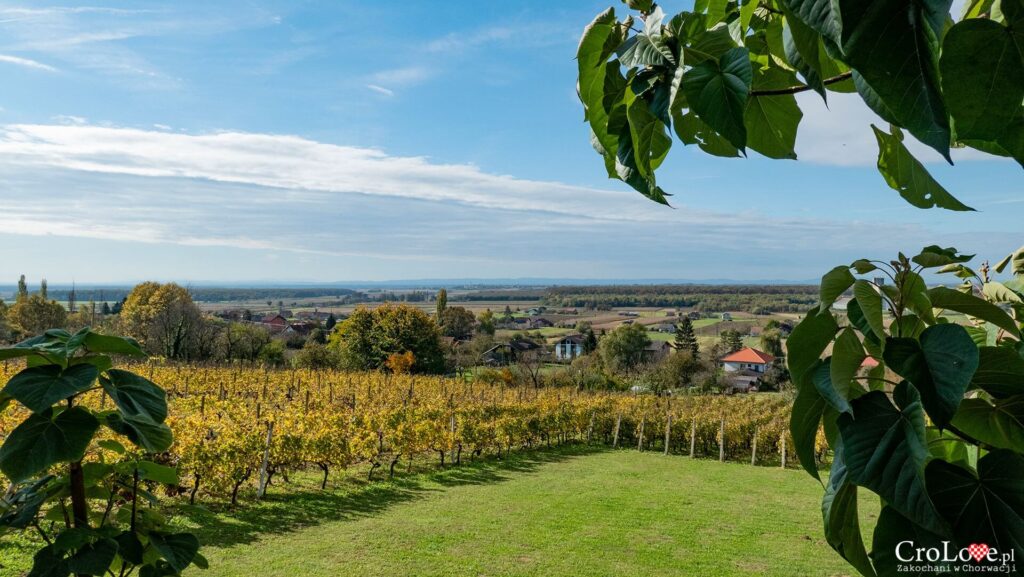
{"x": 686, "y": 338}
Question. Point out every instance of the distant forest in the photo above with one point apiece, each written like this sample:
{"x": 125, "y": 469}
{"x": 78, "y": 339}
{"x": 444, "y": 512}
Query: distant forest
{"x": 756, "y": 299}
{"x": 211, "y": 294}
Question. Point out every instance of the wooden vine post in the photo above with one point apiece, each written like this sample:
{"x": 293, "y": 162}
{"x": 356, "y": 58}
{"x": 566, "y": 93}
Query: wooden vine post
{"x": 668, "y": 432}
{"x": 721, "y": 441}
{"x": 693, "y": 437}
{"x": 640, "y": 434}
{"x": 783, "y": 451}
{"x": 262, "y": 490}
{"x": 753, "y": 450}
{"x": 615, "y": 435}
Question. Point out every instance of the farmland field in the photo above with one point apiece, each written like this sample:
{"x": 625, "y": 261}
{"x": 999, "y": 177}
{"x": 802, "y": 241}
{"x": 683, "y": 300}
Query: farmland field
{"x": 569, "y": 512}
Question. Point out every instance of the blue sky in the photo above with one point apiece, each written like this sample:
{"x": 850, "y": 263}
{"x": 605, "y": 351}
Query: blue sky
{"x": 332, "y": 141}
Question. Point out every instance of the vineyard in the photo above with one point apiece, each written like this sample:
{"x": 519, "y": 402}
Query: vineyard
{"x": 237, "y": 429}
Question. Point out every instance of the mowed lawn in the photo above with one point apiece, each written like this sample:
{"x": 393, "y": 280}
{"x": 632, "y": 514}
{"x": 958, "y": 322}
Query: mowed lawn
{"x": 559, "y": 513}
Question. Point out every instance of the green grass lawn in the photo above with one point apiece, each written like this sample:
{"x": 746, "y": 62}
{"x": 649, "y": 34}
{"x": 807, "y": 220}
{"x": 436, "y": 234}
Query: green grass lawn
{"x": 569, "y": 512}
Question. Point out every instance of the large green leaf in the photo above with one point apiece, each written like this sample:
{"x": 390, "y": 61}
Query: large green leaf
{"x": 717, "y": 91}
{"x": 808, "y": 409}
{"x": 93, "y": 558}
{"x": 599, "y": 40}
{"x": 142, "y": 430}
{"x": 893, "y": 529}
{"x": 983, "y": 507}
{"x": 833, "y": 284}
{"x": 692, "y": 130}
{"x": 869, "y": 299}
{"x": 650, "y": 47}
{"x": 982, "y": 78}
{"x": 934, "y": 255}
{"x": 839, "y": 512}
{"x": 650, "y": 141}
{"x": 19, "y": 507}
{"x": 940, "y": 366}
{"x": 817, "y": 14}
{"x": 847, "y": 358}
{"x": 43, "y": 440}
{"x": 38, "y": 388}
{"x": 135, "y": 395}
{"x": 179, "y": 549}
{"x": 999, "y": 425}
{"x": 772, "y": 121}
{"x": 822, "y": 379}
{"x": 968, "y": 304}
{"x": 886, "y": 451}
{"x": 1000, "y": 372}
{"x": 808, "y": 340}
{"x": 906, "y": 175}
{"x": 97, "y": 343}
{"x": 892, "y": 44}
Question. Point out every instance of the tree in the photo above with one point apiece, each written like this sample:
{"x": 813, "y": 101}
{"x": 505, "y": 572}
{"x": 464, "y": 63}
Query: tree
{"x": 22, "y": 289}
{"x": 105, "y": 308}
{"x": 589, "y": 340}
{"x": 771, "y": 342}
{"x": 485, "y": 323}
{"x": 244, "y": 342}
{"x": 622, "y": 350}
{"x": 686, "y": 338}
{"x": 331, "y": 322}
{"x": 675, "y": 371}
{"x": 162, "y": 317}
{"x": 457, "y": 322}
{"x": 368, "y": 337}
{"x": 316, "y": 356}
{"x": 724, "y": 77}
{"x": 5, "y": 330}
{"x": 53, "y": 460}
{"x": 33, "y": 314}
{"x": 732, "y": 341}
{"x": 442, "y": 304}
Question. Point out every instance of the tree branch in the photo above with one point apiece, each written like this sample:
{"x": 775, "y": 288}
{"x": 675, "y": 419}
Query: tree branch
{"x": 801, "y": 88}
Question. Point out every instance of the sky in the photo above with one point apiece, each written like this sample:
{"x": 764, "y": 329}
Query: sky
{"x": 288, "y": 141}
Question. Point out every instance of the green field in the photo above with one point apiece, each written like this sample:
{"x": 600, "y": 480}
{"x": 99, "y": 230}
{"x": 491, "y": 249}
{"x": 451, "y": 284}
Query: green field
{"x": 566, "y": 513}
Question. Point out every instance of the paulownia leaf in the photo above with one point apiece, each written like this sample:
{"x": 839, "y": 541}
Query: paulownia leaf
{"x": 1000, "y": 372}
{"x": 893, "y": 45}
{"x": 839, "y": 512}
{"x": 43, "y": 440}
{"x": 886, "y": 451}
{"x": 940, "y": 366}
{"x": 38, "y": 388}
{"x": 968, "y": 304}
{"x": 982, "y": 78}
{"x": 772, "y": 121}
{"x": 906, "y": 175}
{"x": 983, "y": 507}
{"x": 1000, "y": 424}
{"x": 717, "y": 91}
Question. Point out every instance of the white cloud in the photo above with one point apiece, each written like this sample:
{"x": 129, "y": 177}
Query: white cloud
{"x": 26, "y": 62}
{"x": 381, "y": 90}
{"x": 266, "y": 192}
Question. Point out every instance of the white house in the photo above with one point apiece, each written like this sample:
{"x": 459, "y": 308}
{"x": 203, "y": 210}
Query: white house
{"x": 569, "y": 347}
{"x": 747, "y": 359}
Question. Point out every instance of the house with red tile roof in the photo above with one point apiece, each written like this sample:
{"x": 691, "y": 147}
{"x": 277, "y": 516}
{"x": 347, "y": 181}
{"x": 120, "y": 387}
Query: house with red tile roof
{"x": 746, "y": 359}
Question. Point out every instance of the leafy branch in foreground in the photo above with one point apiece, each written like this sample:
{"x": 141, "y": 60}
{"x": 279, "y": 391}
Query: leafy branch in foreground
{"x": 944, "y": 446}
{"x": 723, "y": 76}
{"x": 87, "y": 511}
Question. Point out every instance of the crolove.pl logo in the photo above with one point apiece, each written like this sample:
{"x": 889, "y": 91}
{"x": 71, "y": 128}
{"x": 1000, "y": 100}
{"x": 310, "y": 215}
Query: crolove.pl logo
{"x": 974, "y": 558}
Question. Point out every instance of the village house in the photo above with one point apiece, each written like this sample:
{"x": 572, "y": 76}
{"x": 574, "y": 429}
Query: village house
{"x": 569, "y": 347}
{"x": 275, "y": 323}
{"x": 656, "y": 350}
{"x": 746, "y": 359}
